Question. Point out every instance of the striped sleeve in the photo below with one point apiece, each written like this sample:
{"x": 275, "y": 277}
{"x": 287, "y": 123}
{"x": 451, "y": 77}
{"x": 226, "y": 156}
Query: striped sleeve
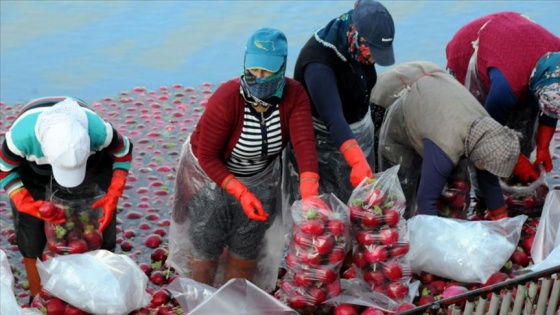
{"x": 104, "y": 137}
{"x": 9, "y": 176}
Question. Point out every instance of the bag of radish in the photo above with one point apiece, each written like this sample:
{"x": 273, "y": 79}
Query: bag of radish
{"x": 524, "y": 199}
{"x": 79, "y": 233}
{"x": 456, "y": 195}
{"x": 316, "y": 252}
{"x": 376, "y": 213}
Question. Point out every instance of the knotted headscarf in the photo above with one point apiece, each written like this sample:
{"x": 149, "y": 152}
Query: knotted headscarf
{"x": 494, "y": 146}
{"x": 545, "y": 84}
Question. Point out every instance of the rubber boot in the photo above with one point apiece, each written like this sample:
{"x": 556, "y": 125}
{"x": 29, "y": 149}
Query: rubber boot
{"x": 239, "y": 268}
{"x": 203, "y": 271}
{"x": 32, "y": 275}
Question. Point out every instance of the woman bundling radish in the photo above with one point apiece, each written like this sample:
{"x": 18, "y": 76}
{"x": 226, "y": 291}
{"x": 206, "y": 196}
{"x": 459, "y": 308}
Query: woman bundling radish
{"x": 228, "y": 181}
{"x": 433, "y": 117}
{"x": 59, "y": 144}
{"x": 512, "y": 65}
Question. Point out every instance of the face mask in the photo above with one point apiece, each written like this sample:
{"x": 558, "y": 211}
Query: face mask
{"x": 263, "y": 88}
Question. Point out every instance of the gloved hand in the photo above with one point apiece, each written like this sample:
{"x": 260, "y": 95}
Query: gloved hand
{"x": 354, "y": 156}
{"x": 111, "y": 199}
{"x": 25, "y": 203}
{"x": 309, "y": 189}
{"x": 251, "y": 205}
{"x": 524, "y": 170}
{"x": 544, "y": 136}
{"x": 497, "y": 214}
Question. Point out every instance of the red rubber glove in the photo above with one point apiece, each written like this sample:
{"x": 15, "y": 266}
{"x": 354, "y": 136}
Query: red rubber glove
{"x": 544, "y": 136}
{"x": 354, "y": 156}
{"x": 498, "y": 213}
{"x": 308, "y": 184}
{"x": 251, "y": 205}
{"x": 25, "y": 203}
{"x": 524, "y": 170}
{"x": 309, "y": 189}
{"x": 111, "y": 199}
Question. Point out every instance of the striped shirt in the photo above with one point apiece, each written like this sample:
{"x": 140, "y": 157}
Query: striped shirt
{"x": 21, "y": 144}
{"x": 259, "y": 143}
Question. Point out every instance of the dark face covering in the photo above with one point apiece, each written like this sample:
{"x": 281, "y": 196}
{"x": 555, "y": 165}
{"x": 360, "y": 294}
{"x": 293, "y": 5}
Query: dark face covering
{"x": 265, "y": 88}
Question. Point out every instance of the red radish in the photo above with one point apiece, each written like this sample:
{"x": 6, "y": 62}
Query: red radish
{"x": 397, "y": 290}
{"x": 160, "y": 297}
{"x": 336, "y": 227}
{"x": 72, "y": 310}
{"x": 453, "y": 291}
{"x": 336, "y": 256}
{"x": 47, "y": 209}
{"x": 77, "y": 246}
{"x": 323, "y": 243}
{"x": 93, "y": 238}
{"x": 153, "y": 240}
{"x": 496, "y": 277}
{"x": 159, "y": 254}
{"x": 54, "y": 306}
{"x": 405, "y": 307}
{"x": 312, "y": 227}
{"x": 375, "y": 253}
{"x": 345, "y": 309}
{"x": 519, "y": 257}
{"x": 372, "y": 311}
{"x": 527, "y": 244}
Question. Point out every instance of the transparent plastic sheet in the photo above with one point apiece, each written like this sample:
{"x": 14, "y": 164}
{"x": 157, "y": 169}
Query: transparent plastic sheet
{"x": 190, "y": 293}
{"x": 472, "y": 82}
{"x": 464, "y": 251}
{"x": 379, "y": 243}
{"x": 395, "y": 149}
{"x": 353, "y": 292}
{"x": 547, "y": 237}
{"x": 8, "y": 302}
{"x": 455, "y": 198}
{"x": 98, "y": 282}
{"x": 320, "y": 241}
{"x": 241, "y": 297}
{"x": 333, "y": 169}
{"x": 195, "y": 191}
{"x": 80, "y": 231}
{"x": 525, "y": 199}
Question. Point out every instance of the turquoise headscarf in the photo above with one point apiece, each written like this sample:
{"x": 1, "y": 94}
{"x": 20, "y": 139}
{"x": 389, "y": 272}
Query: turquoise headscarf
{"x": 545, "y": 84}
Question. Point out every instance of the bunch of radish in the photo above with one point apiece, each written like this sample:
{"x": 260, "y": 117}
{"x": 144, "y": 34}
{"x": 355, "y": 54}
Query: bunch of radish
{"x": 525, "y": 199}
{"x": 455, "y": 198}
{"x": 316, "y": 252}
{"x": 78, "y": 234}
{"x": 376, "y": 209}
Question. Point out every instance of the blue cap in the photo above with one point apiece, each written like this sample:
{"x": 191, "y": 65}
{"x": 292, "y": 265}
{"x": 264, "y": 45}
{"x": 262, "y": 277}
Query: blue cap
{"x": 375, "y": 24}
{"x": 266, "y": 49}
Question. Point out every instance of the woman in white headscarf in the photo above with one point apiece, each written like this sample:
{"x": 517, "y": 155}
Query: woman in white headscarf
{"x": 433, "y": 116}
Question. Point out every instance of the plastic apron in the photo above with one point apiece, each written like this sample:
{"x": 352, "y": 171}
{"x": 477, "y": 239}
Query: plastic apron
{"x": 200, "y": 205}
{"x": 333, "y": 169}
{"x": 395, "y": 148}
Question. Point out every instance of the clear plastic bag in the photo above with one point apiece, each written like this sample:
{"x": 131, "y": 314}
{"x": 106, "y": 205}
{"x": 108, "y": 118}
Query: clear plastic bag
{"x": 8, "y": 302}
{"x": 320, "y": 241}
{"x": 79, "y": 233}
{"x": 98, "y": 282}
{"x": 472, "y": 82}
{"x": 190, "y": 293}
{"x": 464, "y": 251}
{"x": 239, "y": 296}
{"x": 547, "y": 237}
{"x": 379, "y": 229}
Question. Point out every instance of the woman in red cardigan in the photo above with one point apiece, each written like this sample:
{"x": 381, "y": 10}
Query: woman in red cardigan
{"x": 510, "y": 64}
{"x": 228, "y": 180}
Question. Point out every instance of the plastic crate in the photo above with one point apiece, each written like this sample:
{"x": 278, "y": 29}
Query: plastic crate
{"x": 535, "y": 293}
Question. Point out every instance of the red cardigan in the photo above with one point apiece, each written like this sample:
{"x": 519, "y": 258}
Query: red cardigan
{"x": 509, "y": 42}
{"x": 220, "y": 127}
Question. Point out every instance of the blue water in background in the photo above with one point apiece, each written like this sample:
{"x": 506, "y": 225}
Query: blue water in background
{"x": 93, "y": 49}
